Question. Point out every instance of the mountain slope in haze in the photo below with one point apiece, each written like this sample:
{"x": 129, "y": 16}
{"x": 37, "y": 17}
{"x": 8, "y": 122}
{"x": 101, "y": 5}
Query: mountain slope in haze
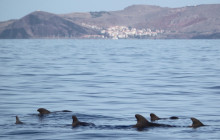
{"x": 184, "y": 22}
{"x": 202, "y": 21}
{"x": 44, "y": 25}
{"x": 130, "y": 16}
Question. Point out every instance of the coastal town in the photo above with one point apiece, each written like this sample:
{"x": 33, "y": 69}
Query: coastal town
{"x": 122, "y": 32}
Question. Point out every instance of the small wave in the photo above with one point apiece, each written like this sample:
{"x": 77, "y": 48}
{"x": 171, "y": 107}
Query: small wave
{"x": 24, "y": 132}
{"x": 214, "y": 87}
{"x": 82, "y": 73}
{"x": 110, "y": 127}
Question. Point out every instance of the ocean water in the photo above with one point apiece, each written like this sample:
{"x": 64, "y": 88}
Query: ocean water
{"x": 107, "y": 82}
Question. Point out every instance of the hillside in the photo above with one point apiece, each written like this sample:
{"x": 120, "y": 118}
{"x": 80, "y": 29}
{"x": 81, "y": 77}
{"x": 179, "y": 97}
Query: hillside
{"x": 43, "y": 25}
{"x": 201, "y": 21}
{"x": 186, "y": 22}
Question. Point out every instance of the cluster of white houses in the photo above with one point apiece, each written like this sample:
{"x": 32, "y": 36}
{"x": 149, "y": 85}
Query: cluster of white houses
{"x": 122, "y": 32}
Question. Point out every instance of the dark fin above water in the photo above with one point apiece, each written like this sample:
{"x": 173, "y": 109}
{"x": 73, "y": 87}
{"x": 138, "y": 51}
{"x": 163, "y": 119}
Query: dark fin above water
{"x": 76, "y": 122}
{"x": 196, "y": 123}
{"x": 154, "y": 117}
{"x": 141, "y": 121}
{"x": 18, "y": 121}
{"x": 43, "y": 111}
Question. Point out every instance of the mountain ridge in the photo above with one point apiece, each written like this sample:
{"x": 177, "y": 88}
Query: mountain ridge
{"x": 202, "y": 21}
{"x": 41, "y": 24}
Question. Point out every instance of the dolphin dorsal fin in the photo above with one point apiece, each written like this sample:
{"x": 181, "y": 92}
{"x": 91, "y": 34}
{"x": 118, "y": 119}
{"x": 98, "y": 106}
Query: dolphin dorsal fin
{"x": 141, "y": 121}
{"x": 154, "y": 117}
{"x": 43, "y": 111}
{"x": 196, "y": 123}
{"x": 18, "y": 121}
{"x": 75, "y": 121}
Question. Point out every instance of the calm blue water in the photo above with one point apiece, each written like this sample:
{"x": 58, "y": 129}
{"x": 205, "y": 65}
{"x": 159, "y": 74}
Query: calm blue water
{"x": 107, "y": 82}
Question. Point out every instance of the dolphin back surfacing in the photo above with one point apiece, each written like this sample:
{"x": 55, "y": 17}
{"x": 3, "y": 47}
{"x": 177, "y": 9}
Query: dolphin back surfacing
{"x": 154, "y": 117}
{"x": 76, "y": 122}
{"x": 195, "y": 122}
{"x": 143, "y": 122}
{"x": 43, "y": 111}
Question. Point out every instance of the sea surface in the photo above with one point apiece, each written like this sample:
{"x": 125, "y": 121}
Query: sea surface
{"x": 107, "y": 82}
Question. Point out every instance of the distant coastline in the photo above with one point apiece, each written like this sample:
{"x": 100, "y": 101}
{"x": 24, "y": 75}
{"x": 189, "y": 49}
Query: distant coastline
{"x": 137, "y": 21}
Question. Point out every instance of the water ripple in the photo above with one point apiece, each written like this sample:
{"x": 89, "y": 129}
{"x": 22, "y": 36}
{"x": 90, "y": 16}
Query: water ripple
{"x": 107, "y": 82}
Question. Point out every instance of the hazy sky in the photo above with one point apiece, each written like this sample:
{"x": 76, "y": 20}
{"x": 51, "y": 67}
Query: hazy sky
{"x": 14, "y": 9}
